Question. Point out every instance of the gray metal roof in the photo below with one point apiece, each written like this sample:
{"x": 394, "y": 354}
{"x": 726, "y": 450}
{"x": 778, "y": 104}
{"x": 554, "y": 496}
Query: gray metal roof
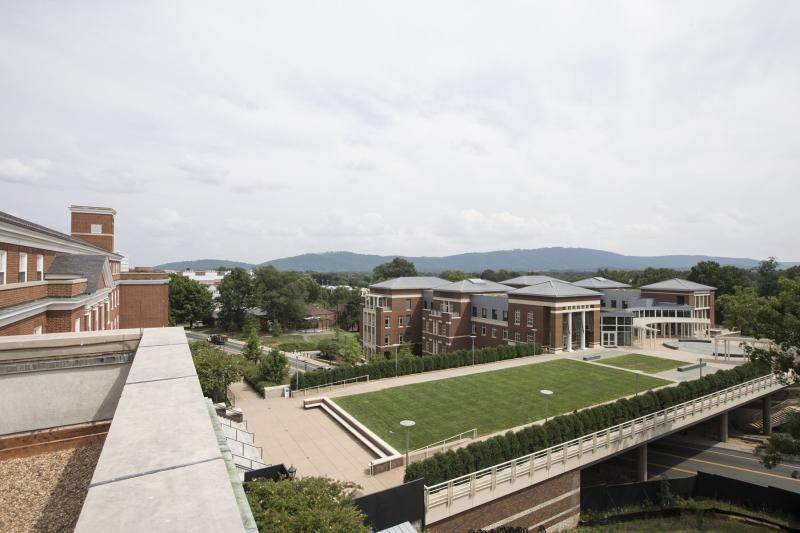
{"x": 598, "y": 282}
{"x": 677, "y": 284}
{"x": 22, "y": 223}
{"x": 87, "y": 266}
{"x": 410, "y": 283}
{"x": 405, "y": 527}
{"x": 529, "y": 280}
{"x": 555, "y": 289}
{"x": 474, "y": 285}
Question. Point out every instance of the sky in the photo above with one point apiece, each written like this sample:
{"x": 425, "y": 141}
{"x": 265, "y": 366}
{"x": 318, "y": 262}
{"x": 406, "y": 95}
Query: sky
{"x": 257, "y": 130}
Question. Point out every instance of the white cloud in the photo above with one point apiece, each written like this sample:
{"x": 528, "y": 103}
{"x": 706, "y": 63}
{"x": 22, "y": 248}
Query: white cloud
{"x": 30, "y": 171}
{"x": 420, "y": 129}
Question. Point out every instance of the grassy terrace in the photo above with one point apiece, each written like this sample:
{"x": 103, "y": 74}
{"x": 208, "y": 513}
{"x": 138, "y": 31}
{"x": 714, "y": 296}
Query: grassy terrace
{"x": 645, "y": 363}
{"x": 489, "y": 401}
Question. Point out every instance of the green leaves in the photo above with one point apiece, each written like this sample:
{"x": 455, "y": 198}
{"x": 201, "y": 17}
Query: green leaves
{"x": 189, "y": 301}
{"x": 215, "y": 369}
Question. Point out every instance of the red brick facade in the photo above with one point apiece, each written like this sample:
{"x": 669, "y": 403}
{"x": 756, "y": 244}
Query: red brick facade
{"x": 144, "y": 306}
{"x": 82, "y": 225}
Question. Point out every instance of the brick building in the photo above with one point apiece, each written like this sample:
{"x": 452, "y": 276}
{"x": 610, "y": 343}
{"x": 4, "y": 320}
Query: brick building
{"x": 436, "y": 316}
{"x": 52, "y": 282}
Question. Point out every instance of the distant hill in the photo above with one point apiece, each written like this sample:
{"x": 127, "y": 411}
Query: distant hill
{"x": 539, "y": 259}
{"x": 204, "y": 264}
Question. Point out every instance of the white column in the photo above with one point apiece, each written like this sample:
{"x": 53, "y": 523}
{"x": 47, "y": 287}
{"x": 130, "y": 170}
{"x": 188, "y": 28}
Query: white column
{"x": 569, "y": 328}
{"x": 583, "y": 330}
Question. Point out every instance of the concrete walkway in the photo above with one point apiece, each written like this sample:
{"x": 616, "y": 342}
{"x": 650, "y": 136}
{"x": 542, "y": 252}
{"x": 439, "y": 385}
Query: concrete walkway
{"x": 318, "y": 446}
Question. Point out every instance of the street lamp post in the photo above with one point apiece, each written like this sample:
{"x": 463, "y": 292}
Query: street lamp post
{"x": 407, "y": 424}
{"x": 700, "y": 362}
{"x": 472, "y": 338}
{"x": 546, "y": 393}
{"x": 638, "y": 373}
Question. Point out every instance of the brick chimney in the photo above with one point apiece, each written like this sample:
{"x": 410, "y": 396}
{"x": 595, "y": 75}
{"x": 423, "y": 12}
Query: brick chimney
{"x": 94, "y": 225}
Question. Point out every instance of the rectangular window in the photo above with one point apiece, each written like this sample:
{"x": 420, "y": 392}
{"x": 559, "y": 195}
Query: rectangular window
{"x": 408, "y": 321}
{"x": 424, "y": 304}
{"x": 37, "y": 330}
{"x": 474, "y": 329}
{"x": 516, "y": 317}
{"x": 505, "y": 315}
{"x": 505, "y": 334}
{"x": 400, "y": 339}
{"x": 97, "y": 229}
{"x": 386, "y": 322}
{"x": 22, "y": 277}
{"x": 444, "y": 330}
{"x": 39, "y": 267}
{"x": 483, "y": 312}
{"x": 530, "y": 338}
{"x": 77, "y": 324}
{"x": 602, "y": 303}
{"x": 530, "y": 319}
{"x": 386, "y": 341}
{"x": 494, "y": 333}
{"x": 681, "y": 300}
{"x": 516, "y": 336}
{"x": 408, "y": 304}
{"x": 3, "y": 266}
{"x": 613, "y": 303}
{"x": 400, "y": 322}
{"x": 494, "y": 314}
{"x": 474, "y": 310}
{"x": 624, "y": 304}
{"x": 483, "y": 331}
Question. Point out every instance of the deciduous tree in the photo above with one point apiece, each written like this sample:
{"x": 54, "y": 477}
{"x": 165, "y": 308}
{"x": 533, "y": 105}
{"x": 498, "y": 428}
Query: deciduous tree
{"x": 189, "y": 301}
{"x": 235, "y": 298}
{"x": 396, "y": 268}
{"x": 215, "y": 369}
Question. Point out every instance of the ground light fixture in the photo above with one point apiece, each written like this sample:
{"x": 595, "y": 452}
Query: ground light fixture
{"x": 407, "y": 424}
{"x": 292, "y": 471}
{"x": 473, "y": 337}
{"x": 546, "y": 393}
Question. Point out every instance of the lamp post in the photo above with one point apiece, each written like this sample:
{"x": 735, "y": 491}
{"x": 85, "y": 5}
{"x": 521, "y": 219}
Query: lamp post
{"x": 546, "y": 393}
{"x": 638, "y": 373}
{"x": 700, "y": 362}
{"x": 472, "y": 338}
{"x": 407, "y": 424}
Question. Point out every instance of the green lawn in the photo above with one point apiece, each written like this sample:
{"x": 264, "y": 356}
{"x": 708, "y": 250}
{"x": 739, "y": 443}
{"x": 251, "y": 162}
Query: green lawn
{"x": 489, "y": 401}
{"x": 645, "y": 363}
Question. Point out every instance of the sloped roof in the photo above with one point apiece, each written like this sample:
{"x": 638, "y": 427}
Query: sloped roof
{"x": 410, "y": 283}
{"x": 529, "y": 280}
{"x": 87, "y": 266}
{"x": 26, "y": 224}
{"x": 555, "y": 289}
{"x": 677, "y": 284}
{"x": 474, "y": 285}
{"x": 598, "y": 282}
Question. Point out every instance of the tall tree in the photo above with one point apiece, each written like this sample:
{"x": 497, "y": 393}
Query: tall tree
{"x": 252, "y": 348}
{"x": 215, "y": 369}
{"x": 283, "y": 296}
{"x": 745, "y": 310}
{"x": 350, "y": 317}
{"x": 235, "y": 298}
{"x": 767, "y": 277}
{"x": 351, "y": 351}
{"x": 273, "y": 366}
{"x": 453, "y": 275}
{"x": 396, "y": 268}
{"x": 189, "y": 301}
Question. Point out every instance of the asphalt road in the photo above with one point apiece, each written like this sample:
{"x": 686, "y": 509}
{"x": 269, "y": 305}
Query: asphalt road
{"x": 302, "y": 364}
{"x": 675, "y": 457}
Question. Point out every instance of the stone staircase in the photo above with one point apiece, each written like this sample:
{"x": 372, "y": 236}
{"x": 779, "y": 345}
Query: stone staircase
{"x": 780, "y": 412}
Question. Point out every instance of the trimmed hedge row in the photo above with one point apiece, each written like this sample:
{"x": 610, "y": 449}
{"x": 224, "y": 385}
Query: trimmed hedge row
{"x": 414, "y": 365}
{"x": 483, "y": 454}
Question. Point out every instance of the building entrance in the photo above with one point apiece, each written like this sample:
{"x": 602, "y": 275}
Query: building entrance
{"x": 610, "y": 339}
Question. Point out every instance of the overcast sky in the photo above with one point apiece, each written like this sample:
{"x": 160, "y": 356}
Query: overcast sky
{"x": 252, "y": 131}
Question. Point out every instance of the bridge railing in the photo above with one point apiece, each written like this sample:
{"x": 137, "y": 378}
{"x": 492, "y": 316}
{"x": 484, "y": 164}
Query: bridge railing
{"x": 469, "y": 485}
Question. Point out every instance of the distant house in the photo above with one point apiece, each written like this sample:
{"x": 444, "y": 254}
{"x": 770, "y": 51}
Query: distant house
{"x": 319, "y": 318}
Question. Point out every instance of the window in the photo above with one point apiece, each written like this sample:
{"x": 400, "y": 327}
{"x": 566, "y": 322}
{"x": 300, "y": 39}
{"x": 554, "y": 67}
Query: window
{"x": 97, "y": 229}
{"x": 474, "y": 310}
{"x": 516, "y": 317}
{"x": 483, "y": 312}
{"x": 613, "y": 303}
{"x": 408, "y": 321}
{"x": 444, "y": 329}
{"x": 505, "y": 334}
{"x": 530, "y": 319}
{"x": 37, "y": 330}
{"x": 77, "y": 324}
{"x": 22, "y": 277}
{"x": 530, "y": 338}
{"x": 386, "y": 322}
{"x": 516, "y": 336}
{"x": 400, "y": 339}
{"x": 474, "y": 329}
{"x": 505, "y": 315}
{"x": 494, "y": 333}
{"x": 386, "y": 340}
{"x": 408, "y": 304}
{"x": 424, "y": 304}
{"x": 39, "y": 267}
{"x": 494, "y": 314}
{"x": 681, "y": 300}
{"x": 3, "y": 264}
{"x": 602, "y": 303}
{"x": 399, "y": 322}
{"x": 483, "y": 331}
{"x": 624, "y": 304}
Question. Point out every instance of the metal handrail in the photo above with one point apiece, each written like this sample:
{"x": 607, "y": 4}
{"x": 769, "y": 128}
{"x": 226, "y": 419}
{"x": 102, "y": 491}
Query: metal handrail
{"x": 473, "y": 432}
{"x": 331, "y": 384}
{"x": 468, "y": 484}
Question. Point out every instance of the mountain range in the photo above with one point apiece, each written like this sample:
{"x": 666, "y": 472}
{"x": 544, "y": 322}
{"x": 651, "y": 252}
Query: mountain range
{"x": 538, "y": 259}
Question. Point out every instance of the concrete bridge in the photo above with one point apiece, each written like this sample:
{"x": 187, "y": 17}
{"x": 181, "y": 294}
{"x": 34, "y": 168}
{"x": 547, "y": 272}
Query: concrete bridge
{"x": 543, "y": 489}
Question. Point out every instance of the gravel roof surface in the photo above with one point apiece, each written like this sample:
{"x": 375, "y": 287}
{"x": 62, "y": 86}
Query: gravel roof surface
{"x": 45, "y": 492}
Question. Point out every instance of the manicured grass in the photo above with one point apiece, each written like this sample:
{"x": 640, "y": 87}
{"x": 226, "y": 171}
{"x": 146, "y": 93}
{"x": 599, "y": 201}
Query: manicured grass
{"x": 489, "y": 401}
{"x": 645, "y": 363}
